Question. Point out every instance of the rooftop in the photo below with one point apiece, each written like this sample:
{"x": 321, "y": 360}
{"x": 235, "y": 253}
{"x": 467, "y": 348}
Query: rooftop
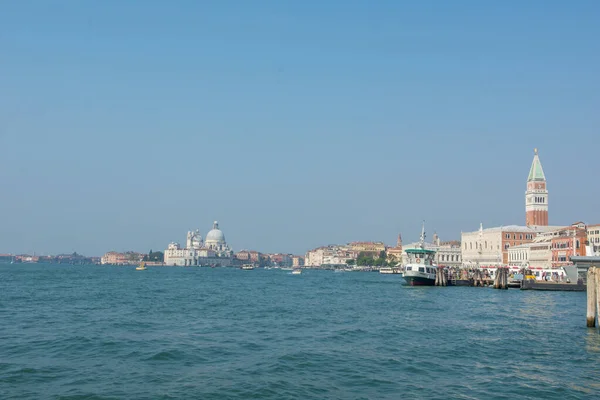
{"x": 519, "y": 228}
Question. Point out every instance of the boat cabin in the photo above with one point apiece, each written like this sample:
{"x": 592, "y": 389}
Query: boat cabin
{"x": 420, "y": 260}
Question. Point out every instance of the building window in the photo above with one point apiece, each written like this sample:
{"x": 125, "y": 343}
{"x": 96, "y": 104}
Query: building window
{"x": 521, "y": 237}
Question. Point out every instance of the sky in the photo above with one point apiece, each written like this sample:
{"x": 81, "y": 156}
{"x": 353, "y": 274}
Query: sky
{"x": 124, "y": 124}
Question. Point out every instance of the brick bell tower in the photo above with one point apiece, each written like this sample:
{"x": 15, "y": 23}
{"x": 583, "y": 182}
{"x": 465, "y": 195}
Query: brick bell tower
{"x": 536, "y": 196}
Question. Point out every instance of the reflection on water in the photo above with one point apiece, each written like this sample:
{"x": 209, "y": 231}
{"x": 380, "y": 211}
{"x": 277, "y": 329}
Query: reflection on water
{"x": 538, "y": 304}
{"x": 592, "y": 340}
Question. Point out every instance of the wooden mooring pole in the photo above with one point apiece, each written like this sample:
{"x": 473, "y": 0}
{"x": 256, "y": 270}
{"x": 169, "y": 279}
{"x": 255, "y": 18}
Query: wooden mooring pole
{"x": 497, "y": 279}
{"x": 592, "y": 296}
{"x": 501, "y": 278}
{"x": 440, "y": 277}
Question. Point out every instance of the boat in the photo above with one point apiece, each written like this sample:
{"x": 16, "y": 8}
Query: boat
{"x": 420, "y": 269}
{"x": 389, "y": 270}
{"x": 247, "y": 266}
{"x": 296, "y": 271}
{"x": 141, "y": 267}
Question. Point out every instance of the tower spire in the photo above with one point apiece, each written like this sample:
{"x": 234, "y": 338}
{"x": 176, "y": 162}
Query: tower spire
{"x": 536, "y": 173}
{"x": 536, "y": 196}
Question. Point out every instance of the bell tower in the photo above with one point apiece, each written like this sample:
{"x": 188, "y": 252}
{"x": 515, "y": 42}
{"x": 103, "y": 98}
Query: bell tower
{"x": 536, "y": 196}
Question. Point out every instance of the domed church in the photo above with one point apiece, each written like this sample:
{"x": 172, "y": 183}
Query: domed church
{"x": 215, "y": 240}
{"x": 211, "y": 251}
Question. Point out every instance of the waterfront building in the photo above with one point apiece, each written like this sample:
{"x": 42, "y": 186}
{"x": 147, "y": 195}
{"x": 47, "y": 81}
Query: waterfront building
{"x": 489, "y": 247}
{"x": 449, "y": 254}
{"x": 297, "y": 261}
{"x": 552, "y": 248}
{"x": 519, "y": 255}
{"x": 593, "y": 239}
{"x": 212, "y": 251}
{"x": 372, "y": 249}
{"x": 280, "y": 260}
{"x": 329, "y": 255}
{"x": 249, "y": 256}
{"x": 116, "y": 258}
{"x": 536, "y": 254}
{"x": 536, "y": 196}
{"x": 569, "y": 242}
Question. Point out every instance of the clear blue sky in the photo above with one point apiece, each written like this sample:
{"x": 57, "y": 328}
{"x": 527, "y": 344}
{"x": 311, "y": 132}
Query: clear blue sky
{"x": 123, "y": 124}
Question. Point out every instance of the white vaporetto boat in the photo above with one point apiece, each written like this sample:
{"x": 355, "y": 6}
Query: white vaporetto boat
{"x": 420, "y": 269}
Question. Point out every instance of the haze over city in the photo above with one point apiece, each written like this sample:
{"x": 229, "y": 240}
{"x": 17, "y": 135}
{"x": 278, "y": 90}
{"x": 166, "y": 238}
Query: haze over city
{"x": 124, "y": 125}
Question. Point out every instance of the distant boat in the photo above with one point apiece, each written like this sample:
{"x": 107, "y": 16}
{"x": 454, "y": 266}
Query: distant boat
{"x": 389, "y": 270}
{"x": 247, "y": 266}
{"x": 297, "y": 271}
{"x": 141, "y": 267}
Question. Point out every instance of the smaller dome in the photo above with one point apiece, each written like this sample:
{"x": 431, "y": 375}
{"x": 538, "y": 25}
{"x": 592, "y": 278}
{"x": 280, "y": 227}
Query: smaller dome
{"x": 215, "y": 235}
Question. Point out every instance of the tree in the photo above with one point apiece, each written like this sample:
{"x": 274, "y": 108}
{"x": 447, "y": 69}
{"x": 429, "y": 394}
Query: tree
{"x": 364, "y": 259}
{"x": 350, "y": 262}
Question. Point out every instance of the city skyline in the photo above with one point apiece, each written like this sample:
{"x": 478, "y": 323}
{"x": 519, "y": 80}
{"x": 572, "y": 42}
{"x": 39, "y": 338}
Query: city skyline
{"x": 294, "y": 126}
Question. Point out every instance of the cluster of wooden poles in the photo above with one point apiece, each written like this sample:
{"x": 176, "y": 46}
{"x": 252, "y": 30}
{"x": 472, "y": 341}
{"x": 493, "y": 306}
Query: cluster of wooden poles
{"x": 479, "y": 278}
{"x": 441, "y": 279}
{"x": 593, "y": 297}
{"x": 501, "y": 280}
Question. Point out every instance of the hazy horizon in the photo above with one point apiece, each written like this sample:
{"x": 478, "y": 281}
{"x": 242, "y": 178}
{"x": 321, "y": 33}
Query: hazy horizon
{"x": 124, "y": 125}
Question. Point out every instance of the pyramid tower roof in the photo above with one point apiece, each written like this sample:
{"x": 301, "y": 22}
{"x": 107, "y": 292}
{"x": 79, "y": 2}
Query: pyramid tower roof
{"x": 536, "y": 173}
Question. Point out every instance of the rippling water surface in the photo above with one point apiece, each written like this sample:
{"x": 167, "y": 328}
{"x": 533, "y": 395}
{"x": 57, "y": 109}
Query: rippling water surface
{"x": 72, "y": 332}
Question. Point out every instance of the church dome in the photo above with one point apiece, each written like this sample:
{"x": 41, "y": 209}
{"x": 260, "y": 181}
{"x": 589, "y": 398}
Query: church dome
{"x": 215, "y": 235}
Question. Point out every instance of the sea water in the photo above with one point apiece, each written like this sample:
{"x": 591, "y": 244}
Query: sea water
{"x": 100, "y": 332}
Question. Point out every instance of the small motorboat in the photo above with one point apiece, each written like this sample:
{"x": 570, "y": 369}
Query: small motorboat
{"x": 297, "y": 271}
{"x": 141, "y": 267}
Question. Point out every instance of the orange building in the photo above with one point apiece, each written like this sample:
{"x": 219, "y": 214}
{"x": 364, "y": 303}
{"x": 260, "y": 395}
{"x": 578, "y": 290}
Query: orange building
{"x": 570, "y": 242}
{"x": 128, "y": 258}
{"x": 249, "y": 256}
